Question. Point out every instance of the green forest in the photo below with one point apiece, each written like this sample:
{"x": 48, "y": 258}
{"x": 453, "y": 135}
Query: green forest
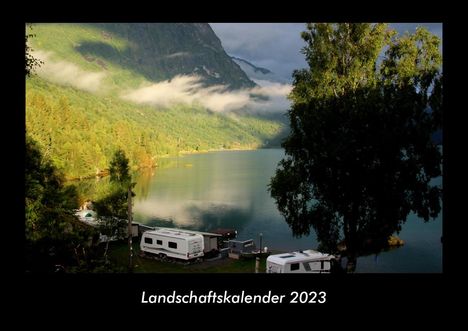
{"x": 80, "y": 130}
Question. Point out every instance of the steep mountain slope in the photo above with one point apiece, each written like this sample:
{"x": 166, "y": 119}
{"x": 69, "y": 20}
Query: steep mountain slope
{"x": 258, "y": 73}
{"x": 75, "y": 109}
{"x": 154, "y": 51}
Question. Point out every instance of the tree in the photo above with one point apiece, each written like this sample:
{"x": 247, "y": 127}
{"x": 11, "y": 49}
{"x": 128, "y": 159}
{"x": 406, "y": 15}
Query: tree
{"x": 359, "y": 157}
{"x": 119, "y": 168}
{"x": 116, "y": 205}
{"x": 31, "y": 62}
{"x": 54, "y": 236}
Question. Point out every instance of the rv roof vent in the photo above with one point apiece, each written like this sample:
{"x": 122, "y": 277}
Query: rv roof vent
{"x": 286, "y": 256}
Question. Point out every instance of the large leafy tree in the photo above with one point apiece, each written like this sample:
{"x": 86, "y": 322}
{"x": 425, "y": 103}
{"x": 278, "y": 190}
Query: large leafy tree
{"x": 53, "y": 234}
{"x": 359, "y": 157}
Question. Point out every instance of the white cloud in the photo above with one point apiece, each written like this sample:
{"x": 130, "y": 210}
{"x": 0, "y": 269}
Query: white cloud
{"x": 189, "y": 90}
{"x": 277, "y": 96}
{"x": 177, "y": 54}
{"x": 66, "y": 73}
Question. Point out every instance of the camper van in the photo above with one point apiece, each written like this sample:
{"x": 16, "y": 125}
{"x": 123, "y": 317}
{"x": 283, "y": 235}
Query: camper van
{"x": 308, "y": 261}
{"x": 173, "y": 243}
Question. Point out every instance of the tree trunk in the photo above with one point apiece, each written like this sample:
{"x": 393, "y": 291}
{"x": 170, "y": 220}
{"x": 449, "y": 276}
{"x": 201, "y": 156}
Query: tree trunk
{"x": 130, "y": 246}
{"x": 351, "y": 238}
{"x": 105, "y": 251}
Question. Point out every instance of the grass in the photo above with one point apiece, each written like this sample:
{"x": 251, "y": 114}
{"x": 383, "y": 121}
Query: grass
{"x": 119, "y": 256}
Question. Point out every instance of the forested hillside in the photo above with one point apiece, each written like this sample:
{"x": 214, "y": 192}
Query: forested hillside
{"x": 79, "y": 126}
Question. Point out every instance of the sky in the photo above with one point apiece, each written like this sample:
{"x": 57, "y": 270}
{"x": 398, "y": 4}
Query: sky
{"x": 277, "y": 46}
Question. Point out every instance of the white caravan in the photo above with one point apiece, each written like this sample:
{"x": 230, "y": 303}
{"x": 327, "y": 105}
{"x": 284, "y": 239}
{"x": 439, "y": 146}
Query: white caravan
{"x": 173, "y": 243}
{"x": 300, "y": 262}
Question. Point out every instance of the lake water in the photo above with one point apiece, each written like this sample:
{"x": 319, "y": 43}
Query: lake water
{"x": 229, "y": 190}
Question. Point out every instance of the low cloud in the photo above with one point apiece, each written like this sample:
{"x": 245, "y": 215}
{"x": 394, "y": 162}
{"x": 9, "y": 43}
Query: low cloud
{"x": 267, "y": 97}
{"x": 66, "y": 73}
{"x": 178, "y": 54}
{"x": 276, "y": 93}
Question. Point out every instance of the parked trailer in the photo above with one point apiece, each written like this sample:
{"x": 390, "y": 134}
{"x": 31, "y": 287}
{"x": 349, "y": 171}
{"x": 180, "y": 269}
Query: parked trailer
{"x": 308, "y": 261}
{"x": 174, "y": 243}
{"x": 242, "y": 247}
{"x": 210, "y": 240}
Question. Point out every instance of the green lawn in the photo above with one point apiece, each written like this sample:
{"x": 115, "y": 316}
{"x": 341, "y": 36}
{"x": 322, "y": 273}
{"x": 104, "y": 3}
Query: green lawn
{"x": 119, "y": 256}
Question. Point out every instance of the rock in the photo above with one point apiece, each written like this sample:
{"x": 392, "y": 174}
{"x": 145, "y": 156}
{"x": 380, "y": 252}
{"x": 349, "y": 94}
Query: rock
{"x": 370, "y": 244}
{"x": 88, "y": 205}
{"x": 395, "y": 241}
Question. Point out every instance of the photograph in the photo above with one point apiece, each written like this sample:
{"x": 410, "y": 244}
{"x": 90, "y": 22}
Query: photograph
{"x": 234, "y": 148}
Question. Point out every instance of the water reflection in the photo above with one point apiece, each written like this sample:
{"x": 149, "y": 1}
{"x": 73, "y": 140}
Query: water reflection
{"x": 207, "y": 191}
{"x": 143, "y": 183}
{"x": 229, "y": 190}
{"x": 217, "y": 190}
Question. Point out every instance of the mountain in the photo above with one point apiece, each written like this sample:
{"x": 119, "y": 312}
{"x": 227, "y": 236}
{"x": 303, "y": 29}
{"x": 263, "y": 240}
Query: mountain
{"x": 258, "y": 73}
{"x": 157, "y": 51}
{"x": 76, "y": 112}
{"x": 251, "y": 67}
{"x": 164, "y": 50}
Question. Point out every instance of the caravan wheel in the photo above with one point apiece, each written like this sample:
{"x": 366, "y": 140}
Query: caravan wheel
{"x": 162, "y": 256}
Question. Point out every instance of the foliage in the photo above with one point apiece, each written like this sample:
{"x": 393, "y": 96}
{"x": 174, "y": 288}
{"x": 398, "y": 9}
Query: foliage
{"x": 30, "y": 61}
{"x": 119, "y": 169}
{"x": 360, "y": 156}
{"x": 114, "y": 203}
{"x": 53, "y": 234}
{"x": 112, "y": 209}
{"x": 79, "y": 131}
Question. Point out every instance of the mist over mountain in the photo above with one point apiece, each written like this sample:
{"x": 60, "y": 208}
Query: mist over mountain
{"x": 151, "y": 89}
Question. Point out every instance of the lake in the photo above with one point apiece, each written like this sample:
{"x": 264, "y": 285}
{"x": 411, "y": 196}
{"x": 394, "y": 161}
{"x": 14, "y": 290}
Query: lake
{"x": 229, "y": 190}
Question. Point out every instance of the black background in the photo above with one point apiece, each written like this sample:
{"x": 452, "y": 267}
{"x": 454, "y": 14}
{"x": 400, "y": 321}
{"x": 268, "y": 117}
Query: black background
{"x": 388, "y": 297}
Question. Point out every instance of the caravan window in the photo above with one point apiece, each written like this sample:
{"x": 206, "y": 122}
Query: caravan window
{"x": 294, "y": 266}
{"x": 172, "y": 244}
{"x": 148, "y": 240}
{"x": 158, "y": 242}
{"x": 315, "y": 265}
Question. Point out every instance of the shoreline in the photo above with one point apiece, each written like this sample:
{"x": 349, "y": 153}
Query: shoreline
{"x": 105, "y": 172}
